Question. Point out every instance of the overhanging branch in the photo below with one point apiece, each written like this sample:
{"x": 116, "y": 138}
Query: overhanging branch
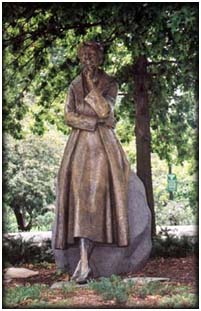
{"x": 165, "y": 61}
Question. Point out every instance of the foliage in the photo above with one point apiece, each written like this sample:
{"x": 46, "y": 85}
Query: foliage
{"x": 112, "y": 288}
{"x": 169, "y": 295}
{"x": 17, "y": 251}
{"x": 153, "y": 294}
{"x": 69, "y": 287}
{"x": 9, "y": 219}
{"x": 44, "y": 222}
{"x": 154, "y": 288}
{"x": 124, "y": 131}
{"x": 40, "y": 42}
{"x": 175, "y": 213}
{"x": 181, "y": 301}
{"x": 46, "y": 304}
{"x": 170, "y": 246}
{"x": 188, "y": 191}
{"x": 14, "y": 296}
{"x": 30, "y": 168}
{"x": 183, "y": 209}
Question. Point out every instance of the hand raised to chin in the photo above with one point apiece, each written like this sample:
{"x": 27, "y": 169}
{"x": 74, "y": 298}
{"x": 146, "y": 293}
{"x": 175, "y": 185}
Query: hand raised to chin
{"x": 89, "y": 79}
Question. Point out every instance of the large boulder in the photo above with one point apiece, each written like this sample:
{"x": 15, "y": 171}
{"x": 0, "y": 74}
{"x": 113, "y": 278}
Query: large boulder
{"x": 106, "y": 259}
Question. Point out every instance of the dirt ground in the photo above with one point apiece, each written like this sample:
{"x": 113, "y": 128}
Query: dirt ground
{"x": 183, "y": 270}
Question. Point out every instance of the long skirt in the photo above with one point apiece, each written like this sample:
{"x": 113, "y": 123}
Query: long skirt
{"x": 90, "y": 193}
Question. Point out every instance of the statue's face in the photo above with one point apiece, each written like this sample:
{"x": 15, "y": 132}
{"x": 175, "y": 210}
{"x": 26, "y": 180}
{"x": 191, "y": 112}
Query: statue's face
{"x": 90, "y": 58}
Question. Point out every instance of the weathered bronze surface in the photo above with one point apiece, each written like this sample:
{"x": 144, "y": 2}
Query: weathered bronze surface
{"x": 93, "y": 177}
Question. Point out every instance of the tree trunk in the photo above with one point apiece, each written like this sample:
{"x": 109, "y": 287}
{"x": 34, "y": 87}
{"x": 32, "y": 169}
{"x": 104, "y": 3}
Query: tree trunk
{"x": 20, "y": 220}
{"x": 171, "y": 195}
{"x": 142, "y": 132}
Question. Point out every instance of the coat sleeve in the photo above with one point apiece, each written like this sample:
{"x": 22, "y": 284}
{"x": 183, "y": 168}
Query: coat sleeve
{"x": 103, "y": 103}
{"x": 77, "y": 120}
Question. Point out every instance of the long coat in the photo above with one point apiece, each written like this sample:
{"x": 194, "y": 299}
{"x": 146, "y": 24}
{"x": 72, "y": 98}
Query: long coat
{"x": 92, "y": 183}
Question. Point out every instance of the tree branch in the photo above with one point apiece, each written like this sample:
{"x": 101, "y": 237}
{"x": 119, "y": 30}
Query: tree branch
{"x": 20, "y": 54}
{"x": 163, "y": 62}
{"x": 44, "y": 30}
{"x": 24, "y": 65}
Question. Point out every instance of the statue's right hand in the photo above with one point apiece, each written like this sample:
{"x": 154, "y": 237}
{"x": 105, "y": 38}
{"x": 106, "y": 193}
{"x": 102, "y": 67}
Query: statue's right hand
{"x": 89, "y": 80}
{"x": 108, "y": 122}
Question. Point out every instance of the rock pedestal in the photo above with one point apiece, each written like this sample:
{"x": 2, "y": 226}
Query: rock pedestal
{"x": 110, "y": 259}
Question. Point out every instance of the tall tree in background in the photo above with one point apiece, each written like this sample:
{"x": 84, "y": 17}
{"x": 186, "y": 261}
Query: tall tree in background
{"x": 39, "y": 61}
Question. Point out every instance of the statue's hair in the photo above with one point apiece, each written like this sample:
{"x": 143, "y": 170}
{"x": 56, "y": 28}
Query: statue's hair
{"x": 95, "y": 45}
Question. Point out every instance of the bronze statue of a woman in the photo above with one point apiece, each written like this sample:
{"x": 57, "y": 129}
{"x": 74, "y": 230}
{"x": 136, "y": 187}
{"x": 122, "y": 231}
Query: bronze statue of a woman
{"x": 92, "y": 185}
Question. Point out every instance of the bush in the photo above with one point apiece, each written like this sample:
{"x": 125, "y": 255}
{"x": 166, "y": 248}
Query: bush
{"x": 169, "y": 295}
{"x": 175, "y": 213}
{"x": 171, "y": 246}
{"x": 112, "y": 288}
{"x": 180, "y": 301}
{"x": 69, "y": 287}
{"x": 153, "y": 288}
{"x": 9, "y": 219}
{"x": 44, "y": 222}
{"x": 183, "y": 210}
{"x": 14, "y": 296}
{"x": 17, "y": 251}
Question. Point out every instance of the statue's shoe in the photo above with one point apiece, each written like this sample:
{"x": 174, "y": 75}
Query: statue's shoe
{"x": 76, "y": 272}
{"x": 83, "y": 278}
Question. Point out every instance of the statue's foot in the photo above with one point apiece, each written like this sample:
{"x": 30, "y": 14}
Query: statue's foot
{"x": 76, "y": 272}
{"x": 84, "y": 276}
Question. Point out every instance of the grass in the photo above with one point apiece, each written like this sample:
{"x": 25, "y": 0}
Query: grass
{"x": 167, "y": 295}
{"x": 112, "y": 288}
{"x": 113, "y": 291}
{"x": 181, "y": 301}
{"x": 69, "y": 287}
{"x": 37, "y": 296}
{"x": 15, "y": 296}
{"x": 49, "y": 304}
{"x": 156, "y": 288}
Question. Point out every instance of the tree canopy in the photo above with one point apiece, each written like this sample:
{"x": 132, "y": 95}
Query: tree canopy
{"x": 40, "y": 60}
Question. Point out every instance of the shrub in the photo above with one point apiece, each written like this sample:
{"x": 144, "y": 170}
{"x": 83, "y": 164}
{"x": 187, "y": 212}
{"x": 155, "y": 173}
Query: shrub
{"x": 171, "y": 246}
{"x": 17, "y": 251}
{"x": 112, "y": 288}
{"x": 14, "y": 296}
{"x": 69, "y": 287}
{"x": 184, "y": 301}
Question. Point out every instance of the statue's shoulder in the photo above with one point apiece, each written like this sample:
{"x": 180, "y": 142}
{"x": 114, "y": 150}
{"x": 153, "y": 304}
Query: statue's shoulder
{"x": 108, "y": 78}
{"x": 76, "y": 82}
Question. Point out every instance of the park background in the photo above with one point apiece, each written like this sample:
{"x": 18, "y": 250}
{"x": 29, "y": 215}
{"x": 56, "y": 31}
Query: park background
{"x": 40, "y": 43}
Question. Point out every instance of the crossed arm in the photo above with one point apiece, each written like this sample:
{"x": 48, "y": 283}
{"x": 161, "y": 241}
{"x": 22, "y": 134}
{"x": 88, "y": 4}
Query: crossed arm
{"x": 102, "y": 104}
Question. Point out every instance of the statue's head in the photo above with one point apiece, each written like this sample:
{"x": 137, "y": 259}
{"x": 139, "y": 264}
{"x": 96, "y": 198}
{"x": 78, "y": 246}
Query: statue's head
{"x": 90, "y": 54}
